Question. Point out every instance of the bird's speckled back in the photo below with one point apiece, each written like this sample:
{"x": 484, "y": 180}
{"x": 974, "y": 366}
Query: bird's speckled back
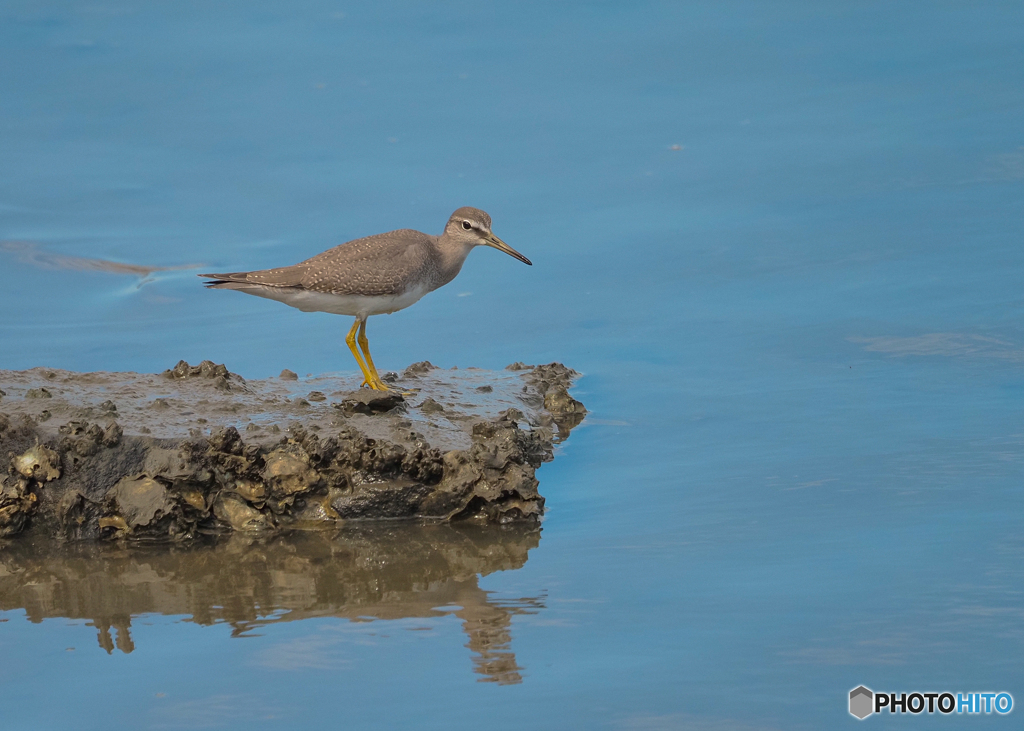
{"x": 383, "y": 264}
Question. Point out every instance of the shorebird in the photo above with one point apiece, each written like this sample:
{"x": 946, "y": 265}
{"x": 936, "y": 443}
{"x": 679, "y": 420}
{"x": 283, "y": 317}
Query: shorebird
{"x": 375, "y": 275}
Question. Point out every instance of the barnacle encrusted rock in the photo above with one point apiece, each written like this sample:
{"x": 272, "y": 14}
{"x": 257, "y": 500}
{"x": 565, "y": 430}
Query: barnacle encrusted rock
{"x": 28, "y": 471}
{"x": 162, "y": 457}
{"x": 40, "y": 463}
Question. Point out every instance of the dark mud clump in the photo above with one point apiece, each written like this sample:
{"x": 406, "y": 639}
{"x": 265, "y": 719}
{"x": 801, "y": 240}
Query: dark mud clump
{"x": 209, "y": 370}
{"x": 418, "y": 369}
{"x": 367, "y": 401}
{"x": 550, "y": 391}
{"x": 158, "y": 458}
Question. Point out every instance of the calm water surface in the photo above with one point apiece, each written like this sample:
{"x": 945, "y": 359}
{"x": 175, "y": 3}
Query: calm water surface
{"x": 784, "y": 243}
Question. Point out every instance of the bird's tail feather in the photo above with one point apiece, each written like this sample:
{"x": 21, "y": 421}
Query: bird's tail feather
{"x": 284, "y": 277}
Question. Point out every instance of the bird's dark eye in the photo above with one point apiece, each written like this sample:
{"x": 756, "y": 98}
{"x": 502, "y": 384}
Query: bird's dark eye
{"x": 467, "y": 225}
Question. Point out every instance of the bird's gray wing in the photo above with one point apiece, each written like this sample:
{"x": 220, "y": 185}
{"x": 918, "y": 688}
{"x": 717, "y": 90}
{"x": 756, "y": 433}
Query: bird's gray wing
{"x": 380, "y": 265}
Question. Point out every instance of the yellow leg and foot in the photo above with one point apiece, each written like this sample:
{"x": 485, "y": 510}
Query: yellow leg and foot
{"x": 373, "y": 380}
{"x": 350, "y": 340}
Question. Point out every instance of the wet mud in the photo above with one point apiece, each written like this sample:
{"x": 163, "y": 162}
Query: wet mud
{"x": 198, "y": 450}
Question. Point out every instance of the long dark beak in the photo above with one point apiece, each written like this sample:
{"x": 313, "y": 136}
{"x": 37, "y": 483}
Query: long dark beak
{"x": 495, "y": 243}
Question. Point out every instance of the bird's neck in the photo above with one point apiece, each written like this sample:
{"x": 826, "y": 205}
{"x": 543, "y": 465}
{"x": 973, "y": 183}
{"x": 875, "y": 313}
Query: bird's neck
{"x": 452, "y": 255}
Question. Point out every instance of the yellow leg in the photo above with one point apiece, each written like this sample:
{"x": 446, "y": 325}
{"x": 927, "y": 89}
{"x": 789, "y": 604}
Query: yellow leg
{"x": 350, "y": 340}
{"x": 376, "y": 383}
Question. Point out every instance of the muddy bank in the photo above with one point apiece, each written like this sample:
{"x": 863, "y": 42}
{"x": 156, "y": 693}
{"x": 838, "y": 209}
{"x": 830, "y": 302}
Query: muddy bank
{"x": 198, "y": 450}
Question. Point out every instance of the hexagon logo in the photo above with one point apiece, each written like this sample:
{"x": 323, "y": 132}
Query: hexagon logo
{"x": 862, "y": 702}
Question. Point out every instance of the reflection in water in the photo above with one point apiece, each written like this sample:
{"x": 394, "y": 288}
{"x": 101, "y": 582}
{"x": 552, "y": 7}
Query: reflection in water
{"x": 369, "y": 572}
{"x": 28, "y": 253}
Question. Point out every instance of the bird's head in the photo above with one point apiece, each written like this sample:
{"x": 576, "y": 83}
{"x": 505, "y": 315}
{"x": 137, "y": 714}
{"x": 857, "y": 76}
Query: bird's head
{"x": 472, "y": 227}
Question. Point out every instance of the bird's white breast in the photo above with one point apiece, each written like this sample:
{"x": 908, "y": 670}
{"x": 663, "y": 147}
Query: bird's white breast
{"x": 339, "y": 304}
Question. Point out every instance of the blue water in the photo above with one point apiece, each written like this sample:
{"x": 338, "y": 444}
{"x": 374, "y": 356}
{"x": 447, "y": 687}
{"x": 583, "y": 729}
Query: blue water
{"x": 784, "y": 243}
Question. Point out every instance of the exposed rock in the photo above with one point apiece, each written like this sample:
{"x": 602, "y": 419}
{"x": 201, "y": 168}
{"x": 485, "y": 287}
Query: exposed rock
{"x": 216, "y": 373}
{"x": 552, "y": 375}
{"x": 418, "y": 369}
{"x": 159, "y": 473}
{"x": 566, "y": 411}
{"x": 140, "y": 500}
{"x": 17, "y": 503}
{"x": 40, "y": 463}
{"x": 27, "y": 473}
{"x": 240, "y": 515}
{"x": 367, "y": 401}
{"x": 287, "y": 473}
{"x": 430, "y": 406}
{"x": 206, "y": 369}
{"x": 550, "y": 391}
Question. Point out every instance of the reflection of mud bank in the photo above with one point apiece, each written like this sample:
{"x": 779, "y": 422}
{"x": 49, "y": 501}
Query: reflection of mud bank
{"x": 367, "y": 572}
{"x": 199, "y": 450}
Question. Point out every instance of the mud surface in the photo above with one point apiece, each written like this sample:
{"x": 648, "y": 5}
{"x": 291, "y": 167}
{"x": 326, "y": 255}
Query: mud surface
{"x": 199, "y": 450}
{"x": 364, "y": 572}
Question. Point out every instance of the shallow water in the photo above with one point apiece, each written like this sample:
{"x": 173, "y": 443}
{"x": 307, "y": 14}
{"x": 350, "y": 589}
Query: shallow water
{"x": 784, "y": 245}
